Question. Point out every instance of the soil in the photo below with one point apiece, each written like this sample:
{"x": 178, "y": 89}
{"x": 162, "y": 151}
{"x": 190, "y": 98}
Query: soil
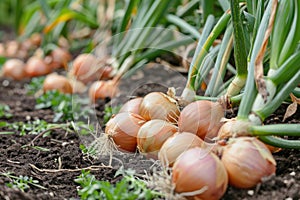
{"x": 57, "y": 168}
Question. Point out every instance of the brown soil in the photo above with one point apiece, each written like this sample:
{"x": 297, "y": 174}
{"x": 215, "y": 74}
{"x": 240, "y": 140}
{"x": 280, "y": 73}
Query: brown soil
{"x": 66, "y": 157}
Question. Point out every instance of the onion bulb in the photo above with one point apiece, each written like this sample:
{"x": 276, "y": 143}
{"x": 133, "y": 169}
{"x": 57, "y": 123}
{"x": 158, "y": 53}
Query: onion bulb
{"x": 132, "y": 105}
{"x": 123, "y": 129}
{"x": 36, "y": 66}
{"x": 14, "y": 68}
{"x": 157, "y": 105}
{"x": 102, "y": 90}
{"x": 57, "y": 82}
{"x": 234, "y": 128}
{"x": 12, "y": 48}
{"x": 86, "y": 68}
{"x": 202, "y": 118}
{"x": 152, "y": 136}
{"x": 199, "y": 174}
{"x": 247, "y": 160}
{"x": 59, "y": 57}
{"x": 2, "y": 50}
{"x": 177, "y": 144}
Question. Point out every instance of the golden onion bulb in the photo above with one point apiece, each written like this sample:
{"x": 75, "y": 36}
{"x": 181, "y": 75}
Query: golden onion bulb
{"x": 247, "y": 161}
{"x": 14, "y": 68}
{"x": 200, "y": 172}
{"x": 123, "y": 129}
{"x": 176, "y": 145}
{"x": 202, "y": 118}
{"x": 152, "y": 136}
{"x": 157, "y": 105}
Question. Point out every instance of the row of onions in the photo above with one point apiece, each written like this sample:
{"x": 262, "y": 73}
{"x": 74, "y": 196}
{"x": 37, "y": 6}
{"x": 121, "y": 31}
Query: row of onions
{"x": 190, "y": 134}
{"x": 101, "y": 74}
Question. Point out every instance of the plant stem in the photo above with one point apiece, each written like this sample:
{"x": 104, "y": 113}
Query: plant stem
{"x": 287, "y": 70}
{"x": 250, "y": 90}
{"x": 276, "y": 130}
{"x": 218, "y": 28}
{"x": 279, "y": 142}
{"x": 240, "y": 54}
{"x": 279, "y": 98}
{"x": 220, "y": 65}
{"x": 183, "y": 25}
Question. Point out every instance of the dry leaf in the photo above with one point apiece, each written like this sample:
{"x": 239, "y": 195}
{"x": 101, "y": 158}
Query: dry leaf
{"x": 292, "y": 108}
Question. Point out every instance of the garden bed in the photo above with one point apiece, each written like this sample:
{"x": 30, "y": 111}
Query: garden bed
{"x": 61, "y": 160}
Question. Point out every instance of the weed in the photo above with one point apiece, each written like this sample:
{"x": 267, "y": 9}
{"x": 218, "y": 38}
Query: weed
{"x": 35, "y": 85}
{"x": 129, "y": 187}
{"x": 63, "y": 106}
{"x": 5, "y": 111}
{"x": 109, "y": 112}
{"x": 21, "y": 182}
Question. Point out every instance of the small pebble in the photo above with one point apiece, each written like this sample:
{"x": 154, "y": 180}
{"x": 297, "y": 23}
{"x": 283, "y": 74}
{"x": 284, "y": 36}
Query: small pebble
{"x": 289, "y": 198}
{"x": 250, "y": 192}
{"x": 293, "y": 173}
{"x": 5, "y": 83}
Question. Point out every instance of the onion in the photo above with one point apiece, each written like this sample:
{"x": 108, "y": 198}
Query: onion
{"x": 2, "y": 50}
{"x": 14, "y": 68}
{"x": 36, "y": 39}
{"x": 202, "y": 118}
{"x": 234, "y": 128}
{"x": 86, "y": 68}
{"x": 12, "y": 48}
{"x": 132, "y": 105}
{"x": 247, "y": 160}
{"x": 82, "y": 66}
{"x": 57, "y": 82}
{"x": 153, "y": 134}
{"x": 102, "y": 90}
{"x": 123, "y": 129}
{"x": 36, "y": 66}
{"x": 176, "y": 145}
{"x": 157, "y": 105}
{"x": 199, "y": 174}
{"x": 59, "y": 57}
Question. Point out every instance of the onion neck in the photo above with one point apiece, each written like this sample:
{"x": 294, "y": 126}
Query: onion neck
{"x": 188, "y": 95}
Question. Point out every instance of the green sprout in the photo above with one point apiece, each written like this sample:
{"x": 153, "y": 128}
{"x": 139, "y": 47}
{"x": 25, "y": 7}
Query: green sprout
{"x": 4, "y": 111}
{"x": 129, "y": 187}
{"x": 21, "y": 182}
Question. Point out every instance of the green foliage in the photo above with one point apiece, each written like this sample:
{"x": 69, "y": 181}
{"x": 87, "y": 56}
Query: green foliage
{"x": 21, "y": 182}
{"x": 32, "y": 127}
{"x": 109, "y": 112}
{"x": 89, "y": 151}
{"x": 63, "y": 106}
{"x": 4, "y": 111}
{"x": 35, "y": 85}
{"x": 129, "y": 187}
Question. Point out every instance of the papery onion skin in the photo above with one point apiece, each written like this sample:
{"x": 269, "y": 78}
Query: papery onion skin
{"x": 247, "y": 160}
{"x": 196, "y": 169}
{"x": 152, "y": 136}
{"x": 102, "y": 90}
{"x": 57, "y": 82}
{"x": 14, "y": 68}
{"x": 36, "y": 66}
{"x": 133, "y": 105}
{"x": 123, "y": 129}
{"x": 157, "y": 105}
{"x": 234, "y": 128}
{"x": 176, "y": 145}
{"x": 202, "y": 118}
